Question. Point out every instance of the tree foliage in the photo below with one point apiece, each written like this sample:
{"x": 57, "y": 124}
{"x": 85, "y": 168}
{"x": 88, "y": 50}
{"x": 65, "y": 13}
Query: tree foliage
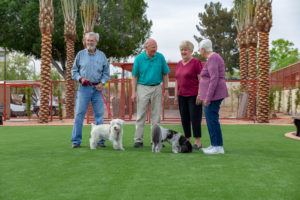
{"x": 122, "y": 26}
{"x": 17, "y": 67}
{"x": 217, "y": 24}
{"x": 283, "y": 54}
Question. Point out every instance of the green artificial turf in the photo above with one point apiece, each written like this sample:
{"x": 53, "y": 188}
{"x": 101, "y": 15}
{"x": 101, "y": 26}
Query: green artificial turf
{"x": 38, "y": 163}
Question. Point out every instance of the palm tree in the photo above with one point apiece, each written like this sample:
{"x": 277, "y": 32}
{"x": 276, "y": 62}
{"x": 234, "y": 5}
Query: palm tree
{"x": 89, "y": 16}
{"x": 46, "y": 19}
{"x": 239, "y": 13}
{"x": 252, "y": 45}
{"x": 263, "y": 24}
{"x": 69, "y": 8}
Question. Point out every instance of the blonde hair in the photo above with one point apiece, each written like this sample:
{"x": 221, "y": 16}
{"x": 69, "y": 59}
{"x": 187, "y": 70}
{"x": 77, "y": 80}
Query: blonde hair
{"x": 186, "y": 44}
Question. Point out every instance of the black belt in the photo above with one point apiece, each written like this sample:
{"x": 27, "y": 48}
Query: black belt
{"x": 95, "y": 83}
{"x": 152, "y": 85}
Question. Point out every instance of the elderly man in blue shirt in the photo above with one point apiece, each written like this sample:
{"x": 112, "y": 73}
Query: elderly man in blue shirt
{"x": 149, "y": 70}
{"x": 90, "y": 66}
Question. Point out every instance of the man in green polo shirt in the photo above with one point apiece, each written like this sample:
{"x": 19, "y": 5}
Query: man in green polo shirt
{"x": 149, "y": 70}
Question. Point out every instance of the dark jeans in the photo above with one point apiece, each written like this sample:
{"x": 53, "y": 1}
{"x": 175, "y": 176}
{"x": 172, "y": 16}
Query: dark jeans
{"x": 190, "y": 113}
{"x": 212, "y": 120}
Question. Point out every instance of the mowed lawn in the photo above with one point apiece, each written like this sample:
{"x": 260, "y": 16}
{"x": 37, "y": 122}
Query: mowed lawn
{"x": 37, "y": 163}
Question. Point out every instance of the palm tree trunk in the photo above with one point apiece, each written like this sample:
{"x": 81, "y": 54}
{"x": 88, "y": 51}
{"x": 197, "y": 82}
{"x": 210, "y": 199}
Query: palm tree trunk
{"x": 264, "y": 87}
{"x": 70, "y": 84}
{"x": 251, "y": 80}
{"x": 46, "y": 54}
{"x": 243, "y": 68}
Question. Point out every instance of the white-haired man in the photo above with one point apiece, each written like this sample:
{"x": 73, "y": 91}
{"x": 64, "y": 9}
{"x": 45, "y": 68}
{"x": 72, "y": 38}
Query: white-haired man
{"x": 149, "y": 70}
{"x": 90, "y": 66}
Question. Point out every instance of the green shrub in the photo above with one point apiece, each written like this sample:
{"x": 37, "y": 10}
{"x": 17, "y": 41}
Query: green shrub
{"x": 289, "y": 105}
{"x": 28, "y": 92}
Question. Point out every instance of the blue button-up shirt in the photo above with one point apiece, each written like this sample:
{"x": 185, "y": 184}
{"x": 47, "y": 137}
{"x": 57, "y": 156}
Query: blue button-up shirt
{"x": 93, "y": 67}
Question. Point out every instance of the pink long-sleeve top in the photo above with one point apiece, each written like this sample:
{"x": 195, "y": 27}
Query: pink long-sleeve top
{"x": 212, "y": 79}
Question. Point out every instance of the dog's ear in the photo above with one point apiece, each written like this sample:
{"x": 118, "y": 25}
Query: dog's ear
{"x": 111, "y": 122}
{"x": 121, "y": 122}
{"x": 186, "y": 147}
{"x": 189, "y": 146}
{"x": 170, "y": 134}
{"x": 182, "y": 140}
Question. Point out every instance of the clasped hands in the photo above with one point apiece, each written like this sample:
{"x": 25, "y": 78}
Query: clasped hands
{"x": 85, "y": 82}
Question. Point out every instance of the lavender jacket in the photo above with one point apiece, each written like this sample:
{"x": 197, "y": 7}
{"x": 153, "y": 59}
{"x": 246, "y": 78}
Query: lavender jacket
{"x": 212, "y": 79}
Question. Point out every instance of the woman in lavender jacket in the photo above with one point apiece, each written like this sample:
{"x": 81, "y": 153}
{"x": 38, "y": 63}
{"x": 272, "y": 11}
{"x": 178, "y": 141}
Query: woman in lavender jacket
{"x": 212, "y": 91}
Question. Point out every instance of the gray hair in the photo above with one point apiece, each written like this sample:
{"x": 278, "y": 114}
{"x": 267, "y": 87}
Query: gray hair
{"x": 147, "y": 42}
{"x": 92, "y": 34}
{"x": 205, "y": 44}
{"x": 187, "y": 44}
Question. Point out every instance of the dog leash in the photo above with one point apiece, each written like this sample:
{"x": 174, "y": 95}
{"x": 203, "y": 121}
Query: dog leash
{"x": 108, "y": 110}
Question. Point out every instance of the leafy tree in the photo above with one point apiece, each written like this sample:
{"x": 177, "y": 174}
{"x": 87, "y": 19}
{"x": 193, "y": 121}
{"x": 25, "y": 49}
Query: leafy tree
{"x": 283, "y": 54}
{"x": 217, "y": 24}
{"x": 17, "y": 67}
{"x": 122, "y": 26}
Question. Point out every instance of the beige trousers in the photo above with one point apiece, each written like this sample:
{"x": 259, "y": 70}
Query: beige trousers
{"x": 146, "y": 95}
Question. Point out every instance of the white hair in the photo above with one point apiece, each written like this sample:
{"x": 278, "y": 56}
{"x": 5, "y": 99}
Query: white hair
{"x": 205, "y": 44}
{"x": 92, "y": 34}
{"x": 186, "y": 44}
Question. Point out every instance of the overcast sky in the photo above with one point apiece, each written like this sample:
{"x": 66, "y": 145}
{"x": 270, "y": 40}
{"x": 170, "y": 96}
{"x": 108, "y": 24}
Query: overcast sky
{"x": 176, "y": 20}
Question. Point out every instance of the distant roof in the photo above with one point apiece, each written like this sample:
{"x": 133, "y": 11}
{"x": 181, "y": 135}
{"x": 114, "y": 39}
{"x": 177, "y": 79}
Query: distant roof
{"x": 21, "y": 83}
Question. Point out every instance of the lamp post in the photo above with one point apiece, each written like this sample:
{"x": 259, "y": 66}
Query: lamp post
{"x": 4, "y": 64}
{"x": 33, "y": 66}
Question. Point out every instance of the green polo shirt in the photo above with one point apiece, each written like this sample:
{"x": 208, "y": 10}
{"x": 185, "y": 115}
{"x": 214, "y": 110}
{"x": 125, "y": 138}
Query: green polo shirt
{"x": 150, "y": 71}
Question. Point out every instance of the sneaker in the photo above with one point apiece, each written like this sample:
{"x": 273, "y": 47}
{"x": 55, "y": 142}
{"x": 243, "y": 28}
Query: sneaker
{"x": 208, "y": 148}
{"x": 75, "y": 145}
{"x": 138, "y": 144}
{"x": 195, "y": 147}
{"x": 102, "y": 145}
{"x": 215, "y": 150}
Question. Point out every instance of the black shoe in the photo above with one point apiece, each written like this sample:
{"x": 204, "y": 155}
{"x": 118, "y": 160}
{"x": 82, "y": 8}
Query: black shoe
{"x": 195, "y": 147}
{"x": 102, "y": 145}
{"x": 75, "y": 145}
{"x": 138, "y": 144}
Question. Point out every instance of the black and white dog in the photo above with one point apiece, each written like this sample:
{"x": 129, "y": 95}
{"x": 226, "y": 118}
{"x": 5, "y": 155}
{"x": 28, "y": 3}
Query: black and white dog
{"x": 178, "y": 142}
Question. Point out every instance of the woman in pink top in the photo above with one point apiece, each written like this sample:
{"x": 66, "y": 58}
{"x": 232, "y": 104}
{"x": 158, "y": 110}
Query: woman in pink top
{"x": 186, "y": 92}
{"x": 212, "y": 91}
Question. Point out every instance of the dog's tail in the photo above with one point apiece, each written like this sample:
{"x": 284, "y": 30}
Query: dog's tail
{"x": 156, "y": 134}
{"x": 93, "y": 126}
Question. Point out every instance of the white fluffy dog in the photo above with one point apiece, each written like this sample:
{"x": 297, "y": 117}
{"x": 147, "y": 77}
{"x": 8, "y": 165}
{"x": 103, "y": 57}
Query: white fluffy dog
{"x": 112, "y": 132}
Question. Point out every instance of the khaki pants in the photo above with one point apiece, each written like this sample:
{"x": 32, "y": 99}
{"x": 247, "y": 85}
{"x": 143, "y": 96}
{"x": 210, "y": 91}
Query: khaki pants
{"x": 146, "y": 94}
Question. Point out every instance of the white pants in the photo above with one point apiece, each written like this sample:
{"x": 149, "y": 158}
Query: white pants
{"x": 146, "y": 94}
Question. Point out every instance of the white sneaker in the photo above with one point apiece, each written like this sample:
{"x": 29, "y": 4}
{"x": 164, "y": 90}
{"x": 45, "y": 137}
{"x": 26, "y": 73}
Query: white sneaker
{"x": 215, "y": 150}
{"x": 208, "y": 148}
